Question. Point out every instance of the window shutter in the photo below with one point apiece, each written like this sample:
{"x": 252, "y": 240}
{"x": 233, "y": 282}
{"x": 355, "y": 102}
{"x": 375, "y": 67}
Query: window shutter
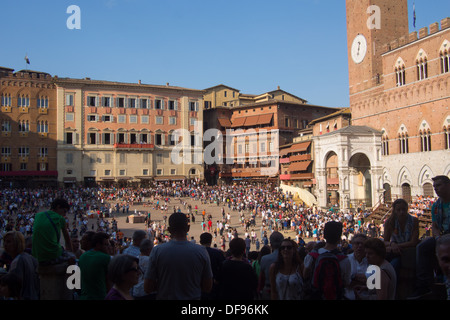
{"x": 176, "y": 104}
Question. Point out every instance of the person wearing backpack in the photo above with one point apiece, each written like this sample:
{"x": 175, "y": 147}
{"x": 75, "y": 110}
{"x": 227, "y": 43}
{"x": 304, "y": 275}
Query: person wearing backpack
{"x": 327, "y": 269}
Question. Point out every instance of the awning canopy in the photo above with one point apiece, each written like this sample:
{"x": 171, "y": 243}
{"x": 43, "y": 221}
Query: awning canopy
{"x": 238, "y": 122}
{"x": 265, "y": 118}
{"x": 224, "y": 122}
{"x": 299, "y": 166}
{"x": 300, "y": 147}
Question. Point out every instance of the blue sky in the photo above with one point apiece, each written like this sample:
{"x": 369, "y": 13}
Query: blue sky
{"x": 253, "y": 46}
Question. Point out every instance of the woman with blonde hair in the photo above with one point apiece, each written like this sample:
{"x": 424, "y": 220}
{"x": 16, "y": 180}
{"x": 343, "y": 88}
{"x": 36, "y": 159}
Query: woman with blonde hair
{"x": 23, "y": 264}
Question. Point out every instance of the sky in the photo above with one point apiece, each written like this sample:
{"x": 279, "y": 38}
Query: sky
{"x": 250, "y": 45}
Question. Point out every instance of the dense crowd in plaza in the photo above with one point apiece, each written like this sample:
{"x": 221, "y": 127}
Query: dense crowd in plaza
{"x": 263, "y": 212}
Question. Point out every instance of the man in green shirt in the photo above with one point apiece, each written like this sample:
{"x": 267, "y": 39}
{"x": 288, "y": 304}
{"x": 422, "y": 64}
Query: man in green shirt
{"x": 94, "y": 269}
{"x": 47, "y": 228}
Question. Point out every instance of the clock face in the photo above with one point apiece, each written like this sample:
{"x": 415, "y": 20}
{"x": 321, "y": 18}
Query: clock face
{"x": 359, "y": 48}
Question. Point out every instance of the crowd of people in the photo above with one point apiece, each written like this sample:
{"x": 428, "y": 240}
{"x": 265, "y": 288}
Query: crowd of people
{"x": 161, "y": 262}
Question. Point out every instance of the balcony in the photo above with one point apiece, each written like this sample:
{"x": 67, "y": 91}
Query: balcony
{"x": 6, "y": 109}
{"x": 134, "y": 146}
{"x": 285, "y": 160}
{"x": 43, "y": 110}
{"x": 24, "y": 109}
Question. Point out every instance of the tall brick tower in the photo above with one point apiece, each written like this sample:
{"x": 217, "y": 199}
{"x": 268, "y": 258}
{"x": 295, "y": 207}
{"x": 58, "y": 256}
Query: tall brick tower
{"x": 370, "y": 25}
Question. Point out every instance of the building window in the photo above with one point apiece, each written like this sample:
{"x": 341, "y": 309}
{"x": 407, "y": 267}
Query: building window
{"x": 159, "y": 158}
{"x": 385, "y": 146}
{"x": 92, "y": 118}
{"x": 173, "y": 172}
{"x": 145, "y": 172}
{"x": 144, "y": 138}
{"x": 6, "y": 126}
{"x": 92, "y": 138}
{"x": 159, "y": 120}
{"x": 400, "y": 76}
{"x": 43, "y": 152}
{"x": 23, "y": 101}
{"x": 69, "y": 137}
{"x": 121, "y": 137}
{"x": 121, "y": 118}
{"x": 70, "y": 117}
{"x": 42, "y": 126}
{"x": 107, "y": 118}
{"x": 422, "y": 69}
{"x": 144, "y": 104}
{"x": 6, "y": 151}
{"x": 24, "y": 126}
{"x": 425, "y": 141}
{"x": 5, "y": 167}
{"x": 122, "y": 172}
{"x": 107, "y": 158}
{"x": 144, "y": 119}
{"x": 447, "y": 138}
{"x": 69, "y": 99}
{"x": 69, "y": 158}
{"x": 131, "y": 102}
{"x": 106, "y": 101}
{"x": 133, "y": 119}
{"x": 404, "y": 144}
{"x": 172, "y": 105}
{"x": 158, "y": 139}
{"x": 159, "y": 104}
{"x": 122, "y": 158}
{"x": 91, "y": 101}
{"x": 159, "y": 172}
{"x": 445, "y": 61}
{"x": 107, "y": 173}
{"x": 24, "y": 151}
{"x": 42, "y": 102}
{"x": 193, "y": 106}
{"x": 121, "y": 102}
{"x": 107, "y": 138}
{"x": 6, "y": 100}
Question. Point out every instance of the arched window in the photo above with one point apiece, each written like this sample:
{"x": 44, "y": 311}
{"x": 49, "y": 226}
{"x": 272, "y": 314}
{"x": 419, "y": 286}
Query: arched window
{"x": 445, "y": 57}
{"x": 6, "y": 100}
{"x": 425, "y": 140}
{"x": 425, "y": 136}
{"x": 403, "y": 139}
{"x": 400, "y": 73}
{"x": 422, "y": 65}
{"x": 404, "y": 144}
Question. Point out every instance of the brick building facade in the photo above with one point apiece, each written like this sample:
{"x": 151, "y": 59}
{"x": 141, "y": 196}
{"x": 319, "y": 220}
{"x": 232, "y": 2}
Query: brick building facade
{"x": 28, "y": 129}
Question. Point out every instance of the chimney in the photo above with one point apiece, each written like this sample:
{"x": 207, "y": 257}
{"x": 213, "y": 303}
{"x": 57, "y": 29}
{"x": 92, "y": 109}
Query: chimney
{"x": 167, "y": 84}
{"x": 278, "y": 87}
{"x": 139, "y": 81}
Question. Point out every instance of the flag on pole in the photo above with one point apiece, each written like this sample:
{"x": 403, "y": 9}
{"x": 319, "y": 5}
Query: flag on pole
{"x": 27, "y": 60}
{"x": 414, "y": 14}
